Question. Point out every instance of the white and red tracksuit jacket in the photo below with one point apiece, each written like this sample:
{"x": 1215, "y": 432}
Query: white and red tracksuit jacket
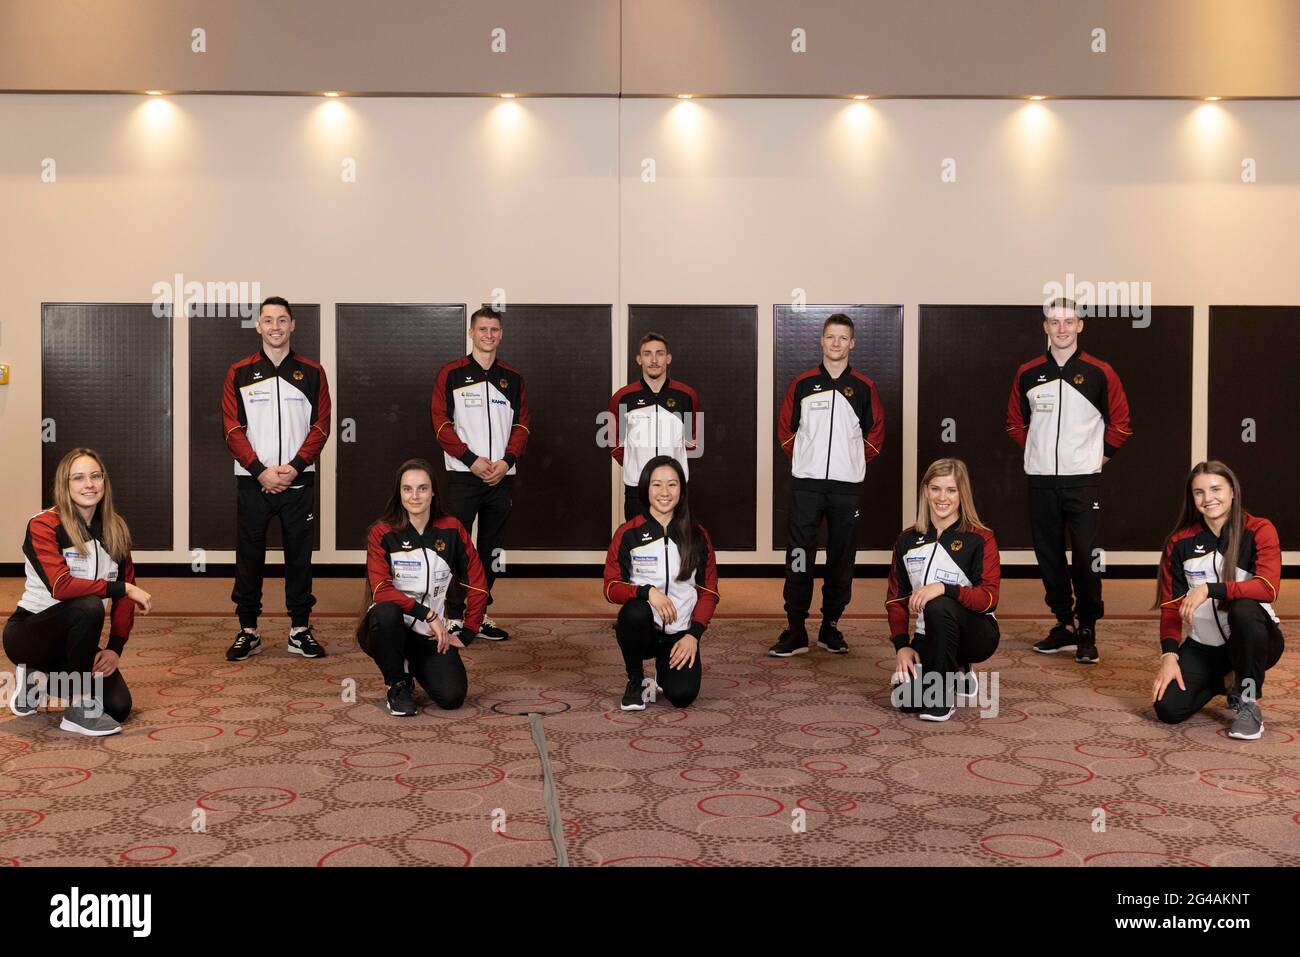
{"x": 1193, "y": 557}
{"x": 414, "y": 571}
{"x": 276, "y": 415}
{"x": 1067, "y": 418}
{"x": 641, "y": 556}
{"x": 57, "y": 572}
{"x": 649, "y": 423}
{"x": 966, "y": 563}
{"x": 479, "y": 411}
{"x": 831, "y": 428}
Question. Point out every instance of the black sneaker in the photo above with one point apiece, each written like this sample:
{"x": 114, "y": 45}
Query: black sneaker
{"x": 245, "y": 644}
{"x": 1060, "y": 638}
{"x": 492, "y": 631}
{"x": 401, "y": 699}
{"x": 633, "y": 697}
{"x": 790, "y": 643}
{"x": 304, "y": 643}
{"x": 830, "y": 638}
{"x": 27, "y": 694}
{"x": 1086, "y": 652}
{"x": 933, "y": 713}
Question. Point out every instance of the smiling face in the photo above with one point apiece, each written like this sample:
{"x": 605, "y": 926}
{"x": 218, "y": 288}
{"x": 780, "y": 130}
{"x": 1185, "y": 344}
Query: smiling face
{"x": 654, "y": 359}
{"x": 274, "y": 325}
{"x": 1212, "y": 495}
{"x": 944, "y": 499}
{"x": 485, "y": 333}
{"x": 1063, "y": 326}
{"x": 417, "y": 493}
{"x": 837, "y": 341}
{"x": 665, "y": 489}
{"x": 86, "y": 482}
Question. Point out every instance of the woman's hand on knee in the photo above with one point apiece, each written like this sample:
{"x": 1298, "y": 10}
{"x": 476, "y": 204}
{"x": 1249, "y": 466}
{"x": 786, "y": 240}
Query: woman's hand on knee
{"x": 922, "y": 596}
{"x": 684, "y": 651}
{"x": 1169, "y": 673}
{"x": 906, "y": 662}
{"x": 105, "y": 663}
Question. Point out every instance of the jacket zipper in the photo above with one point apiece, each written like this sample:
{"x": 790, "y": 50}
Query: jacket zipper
{"x": 279, "y": 437}
{"x": 1214, "y": 606}
{"x": 487, "y": 406}
{"x": 830, "y": 435}
{"x": 1060, "y": 408}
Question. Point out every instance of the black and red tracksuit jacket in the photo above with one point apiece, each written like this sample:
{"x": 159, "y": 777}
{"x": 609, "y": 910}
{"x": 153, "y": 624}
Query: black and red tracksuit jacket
{"x": 413, "y": 570}
{"x": 642, "y": 557}
{"x": 479, "y": 411}
{"x": 1194, "y": 557}
{"x": 1067, "y": 418}
{"x": 831, "y": 428}
{"x": 276, "y": 415}
{"x": 649, "y": 423}
{"x": 965, "y": 563}
{"x": 57, "y": 572}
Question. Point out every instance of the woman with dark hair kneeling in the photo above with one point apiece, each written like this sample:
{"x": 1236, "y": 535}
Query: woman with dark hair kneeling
{"x": 947, "y": 573}
{"x": 78, "y": 560}
{"x": 1220, "y": 570}
{"x": 412, "y": 552}
{"x": 660, "y": 568}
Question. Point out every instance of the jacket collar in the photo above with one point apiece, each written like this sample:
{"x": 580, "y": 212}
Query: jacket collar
{"x": 843, "y": 375}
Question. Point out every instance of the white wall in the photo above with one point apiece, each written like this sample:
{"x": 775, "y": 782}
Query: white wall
{"x": 752, "y": 199}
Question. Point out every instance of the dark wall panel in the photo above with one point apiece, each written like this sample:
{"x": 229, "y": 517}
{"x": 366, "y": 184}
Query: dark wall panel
{"x": 715, "y": 352}
{"x": 106, "y": 382}
{"x": 878, "y": 354}
{"x": 969, "y": 355}
{"x": 388, "y": 360}
{"x": 1253, "y": 352}
{"x": 216, "y": 342}
{"x": 561, "y": 493}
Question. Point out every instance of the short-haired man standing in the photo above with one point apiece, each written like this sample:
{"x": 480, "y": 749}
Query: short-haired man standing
{"x": 1068, "y": 411}
{"x": 480, "y": 418}
{"x": 653, "y": 416}
{"x": 831, "y": 425}
{"x": 276, "y": 408}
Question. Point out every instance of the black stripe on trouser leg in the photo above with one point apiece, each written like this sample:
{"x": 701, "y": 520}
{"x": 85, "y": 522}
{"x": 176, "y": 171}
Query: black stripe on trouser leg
{"x": 1255, "y": 643}
{"x": 297, "y": 512}
{"x": 392, "y": 645}
{"x": 65, "y": 638}
{"x": 469, "y": 498}
{"x": 253, "y": 517}
{"x": 1083, "y": 519}
{"x": 954, "y": 636}
{"x": 1047, "y": 523}
{"x": 1203, "y": 668}
{"x": 639, "y": 639}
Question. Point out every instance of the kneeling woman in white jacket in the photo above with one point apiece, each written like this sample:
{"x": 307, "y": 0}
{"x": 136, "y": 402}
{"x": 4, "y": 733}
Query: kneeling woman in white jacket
{"x": 660, "y": 568}
{"x": 412, "y": 553}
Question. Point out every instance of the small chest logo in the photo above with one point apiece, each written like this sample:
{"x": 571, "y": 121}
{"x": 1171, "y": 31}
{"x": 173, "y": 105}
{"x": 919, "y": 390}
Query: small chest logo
{"x": 1042, "y": 378}
{"x": 1078, "y": 379}
{"x": 645, "y": 536}
{"x": 440, "y": 546}
{"x": 1200, "y": 549}
{"x": 817, "y": 387}
{"x": 956, "y": 545}
{"x": 504, "y": 383}
{"x": 469, "y": 378}
{"x": 298, "y": 376}
{"x": 407, "y": 545}
{"x": 848, "y": 392}
{"x": 671, "y": 403}
{"x": 640, "y": 402}
{"x": 256, "y": 376}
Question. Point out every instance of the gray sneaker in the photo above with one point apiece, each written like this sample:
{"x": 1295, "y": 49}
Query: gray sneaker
{"x": 1249, "y": 723}
{"x": 78, "y": 719}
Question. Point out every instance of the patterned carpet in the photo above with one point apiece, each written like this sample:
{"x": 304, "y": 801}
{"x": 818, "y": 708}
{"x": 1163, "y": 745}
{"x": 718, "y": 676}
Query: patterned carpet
{"x": 796, "y": 761}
